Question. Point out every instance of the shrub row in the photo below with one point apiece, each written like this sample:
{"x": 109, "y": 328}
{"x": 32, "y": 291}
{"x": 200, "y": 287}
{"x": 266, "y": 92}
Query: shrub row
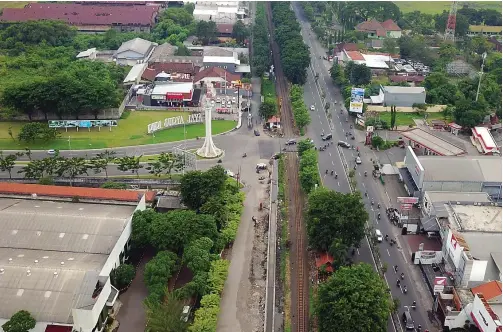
{"x": 299, "y": 108}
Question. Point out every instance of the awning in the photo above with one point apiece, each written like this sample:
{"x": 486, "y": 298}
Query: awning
{"x": 430, "y": 224}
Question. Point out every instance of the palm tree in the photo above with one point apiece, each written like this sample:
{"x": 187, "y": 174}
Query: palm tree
{"x": 165, "y": 316}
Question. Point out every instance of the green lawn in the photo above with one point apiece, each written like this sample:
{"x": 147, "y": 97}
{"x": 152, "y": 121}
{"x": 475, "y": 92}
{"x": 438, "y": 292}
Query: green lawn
{"x": 405, "y": 119}
{"x": 131, "y": 131}
{"x": 13, "y": 4}
{"x": 437, "y": 7}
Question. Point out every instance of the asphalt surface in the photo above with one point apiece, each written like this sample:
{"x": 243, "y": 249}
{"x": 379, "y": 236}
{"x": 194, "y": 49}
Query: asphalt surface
{"x": 333, "y": 158}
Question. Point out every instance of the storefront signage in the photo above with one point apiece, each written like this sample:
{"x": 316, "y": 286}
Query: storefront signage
{"x": 157, "y": 97}
{"x": 406, "y": 207}
{"x": 174, "y": 122}
{"x": 428, "y": 254}
{"x": 407, "y": 200}
{"x": 82, "y": 123}
{"x": 174, "y": 96}
{"x": 439, "y": 284}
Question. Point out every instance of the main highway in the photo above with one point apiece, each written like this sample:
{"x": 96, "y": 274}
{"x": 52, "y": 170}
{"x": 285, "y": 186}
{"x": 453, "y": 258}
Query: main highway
{"x": 337, "y": 158}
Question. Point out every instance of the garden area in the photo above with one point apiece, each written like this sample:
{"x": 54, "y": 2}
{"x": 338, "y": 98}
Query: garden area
{"x": 132, "y": 130}
{"x": 437, "y": 7}
{"x": 407, "y": 119}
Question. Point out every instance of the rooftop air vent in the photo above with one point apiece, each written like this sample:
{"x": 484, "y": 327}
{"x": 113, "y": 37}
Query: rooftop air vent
{"x": 28, "y": 273}
{"x": 2, "y": 271}
{"x": 55, "y": 274}
{"x": 36, "y": 261}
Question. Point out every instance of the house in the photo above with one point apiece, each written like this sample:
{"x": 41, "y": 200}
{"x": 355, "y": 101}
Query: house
{"x": 376, "y": 29}
{"x": 404, "y": 96}
{"x": 339, "y": 48}
{"x": 225, "y": 30}
{"x": 89, "y": 54}
{"x": 228, "y": 60}
{"x": 274, "y": 122}
{"x": 375, "y": 61}
{"x": 220, "y": 13}
{"x": 416, "y": 79}
{"x": 57, "y": 252}
{"x": 324, "y": 259}
{"x": 496, "y": 44}
{"x": 179, "y": 72}
{"x": 216, "y": 76}
{"x": 87, "y": 18}
{"x": 163, "y": 53}
{"x": 484, "y": 30}
{"x": 134, "y": 51}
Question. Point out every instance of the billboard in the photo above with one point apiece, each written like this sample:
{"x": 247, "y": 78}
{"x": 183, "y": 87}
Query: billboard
{"x": 356, "y": 104}
{"x": 82, "y": 123}
{"x": 407, "y": 200}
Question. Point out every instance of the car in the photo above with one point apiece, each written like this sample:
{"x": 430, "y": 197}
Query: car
{"x": 256, "y": 132}
{"x": 408, "y": 321}
{"x": 233, "y": 99}
{"x": 325, "y": 57}
{"x": 291, "y": 142}
{"x": 358, "y": 160}
{"x": 344, "y": 144}
{"x": 212, "y": 102}
{"x": 228, "y": 172}
{"x": 327, "y": 138}
{"x": 378, "y": 235}
{"x": 312, "y": 108}
{"x": 51, "y": 152}
{"x": 185, "y": 313}
{"x": 218, "y": 100}
{"x": 229, "y": 104}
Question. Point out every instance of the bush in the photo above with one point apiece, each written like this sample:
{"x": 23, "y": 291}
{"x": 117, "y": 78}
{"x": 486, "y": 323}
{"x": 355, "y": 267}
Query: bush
{"x": 308, "y": 170}
{"x": 123, "y": 275}
{"x": 113, "y": 185}
{"x": 157, "y": 273}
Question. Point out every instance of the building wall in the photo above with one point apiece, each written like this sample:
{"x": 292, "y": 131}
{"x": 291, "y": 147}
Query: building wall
{"x": 414, "y": 166}
{"x": 231, "y": 67}
{"x": 404, "y": 99}
{"x": 85, "y": 320}
{"x": 394, "y": 34}
{"x": 456, "y": 186}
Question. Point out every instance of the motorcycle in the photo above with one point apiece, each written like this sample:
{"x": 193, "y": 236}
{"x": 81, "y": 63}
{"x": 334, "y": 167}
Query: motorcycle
{"x": 326, "y": 171}
{"x": 398, "y": 282}
{"x": 336, "y": 175}
{"x": 244, "y": 155}
{"x": 350, "y": 126}
{"x": 402, "y": 276}
{"x": 413, "y": 305}
{"x": 365, "y": 173}
{"x": 352, "y": 137}
{"x": 378, "y": 205}
{"x": 405, "y": 289}
{"x": 379, "y": 216}
{"x": 332, "y": 173}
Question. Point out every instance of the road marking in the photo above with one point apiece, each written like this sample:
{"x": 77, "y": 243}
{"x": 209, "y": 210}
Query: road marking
{"x": 340, "y": 123}
{"x": 377, "y": 221}
{"x": 363, "y": 184}
{"x": 360, "y": 174}
{"x": 338, "y": 183}
{"x": 388, "y": 252}
{"x": 387, "y": 196}
{"x": 330, "y": 154}
{"x": 333, "y": 163}
{"x": 357, "y": 251}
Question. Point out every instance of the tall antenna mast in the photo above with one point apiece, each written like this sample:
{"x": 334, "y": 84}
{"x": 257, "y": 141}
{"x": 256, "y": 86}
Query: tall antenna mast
{"x": 450, "y": 29}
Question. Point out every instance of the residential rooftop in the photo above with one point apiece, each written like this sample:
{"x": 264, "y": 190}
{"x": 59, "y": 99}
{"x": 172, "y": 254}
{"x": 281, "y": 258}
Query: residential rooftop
{"x": 470, "y": 218}
{"x": 52, "y": 253}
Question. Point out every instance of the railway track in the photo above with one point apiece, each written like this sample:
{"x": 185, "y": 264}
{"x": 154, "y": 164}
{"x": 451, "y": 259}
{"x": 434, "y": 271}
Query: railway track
{"x": 298, "y": 250}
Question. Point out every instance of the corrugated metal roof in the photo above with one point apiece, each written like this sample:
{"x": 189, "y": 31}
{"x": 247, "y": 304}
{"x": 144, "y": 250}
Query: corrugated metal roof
{"x": 404, "y": 89}
{"x": 467, "y": 169}
{"x": 137, "y": 45}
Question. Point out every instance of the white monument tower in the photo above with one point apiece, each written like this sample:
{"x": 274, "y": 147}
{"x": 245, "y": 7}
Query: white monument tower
{"x": 208, "y": 150}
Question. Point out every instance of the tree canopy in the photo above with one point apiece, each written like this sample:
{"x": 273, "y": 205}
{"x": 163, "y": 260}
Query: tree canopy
{"x": 21, "y": 321}
{"x": 294, "y": 54}
{"x": 198, "y": 187}
{"x": 333, "y": 215}
{"x": 261, "y": 60}
{"x": 353, "y": 299}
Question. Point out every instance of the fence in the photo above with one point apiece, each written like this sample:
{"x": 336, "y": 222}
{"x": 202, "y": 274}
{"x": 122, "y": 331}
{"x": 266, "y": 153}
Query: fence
{"x": 99, "y": 181}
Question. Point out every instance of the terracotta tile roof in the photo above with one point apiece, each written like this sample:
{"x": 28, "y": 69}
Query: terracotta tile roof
{"x": 354, "y": 55}
{"x": 489, "y": 290}
{"x": 372, "y": 25}
{"x": 69, "y": 192}
{"x": 324, "y": 258}
{"x": 77, "y": 14}
{"x": 225, "y": 28}
{"x": 170, "y": 68}
{"x": 274, "y": 119}
{"x": 346, "y": 47}
{"x": 390, "y": 25}
{"x": 216, "y": 72}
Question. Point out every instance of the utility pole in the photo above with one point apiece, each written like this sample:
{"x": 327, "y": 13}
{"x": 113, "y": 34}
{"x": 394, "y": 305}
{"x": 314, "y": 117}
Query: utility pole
{"x": 484, "y": 55}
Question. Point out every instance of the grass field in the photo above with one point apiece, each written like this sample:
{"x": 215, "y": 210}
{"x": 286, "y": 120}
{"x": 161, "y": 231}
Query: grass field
{"x": 130, "y": 131}
{"x": 405, "y": 119}
{"x": 437, "y": 7}
{"x": 13, "y": 4}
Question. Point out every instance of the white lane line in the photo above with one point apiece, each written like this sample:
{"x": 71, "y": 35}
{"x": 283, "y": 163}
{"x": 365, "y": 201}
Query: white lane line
{"x": 388, "y": 252}
{"x": 330, "y": 154}
{"x": 377, "y": 221}
{"x": 333, "y": 163}
{"x": 389, "y": 199}
{"x": 357, "y": 251}
{"x": 363, "y": 184}
{"x": 338, "y": 183}
{"x": 340, "y": 122}
{"x": 360, "y": 174}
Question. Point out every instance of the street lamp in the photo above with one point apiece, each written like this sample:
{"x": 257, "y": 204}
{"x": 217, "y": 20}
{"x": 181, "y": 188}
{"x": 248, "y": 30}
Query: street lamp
{"x": 484, "y": 55}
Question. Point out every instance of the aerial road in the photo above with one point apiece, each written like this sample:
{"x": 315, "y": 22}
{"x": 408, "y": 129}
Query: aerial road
{"x": 335, "y": 157}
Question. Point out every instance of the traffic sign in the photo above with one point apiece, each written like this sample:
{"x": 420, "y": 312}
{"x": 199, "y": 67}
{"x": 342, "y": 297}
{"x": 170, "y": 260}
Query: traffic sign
{"x": 407, "y": 200}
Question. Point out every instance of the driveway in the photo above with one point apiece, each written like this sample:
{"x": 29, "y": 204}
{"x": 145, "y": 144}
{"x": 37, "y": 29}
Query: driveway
{"x": 131, "y": 315}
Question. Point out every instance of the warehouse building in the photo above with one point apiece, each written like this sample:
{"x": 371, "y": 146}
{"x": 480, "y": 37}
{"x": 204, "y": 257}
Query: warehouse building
{"x": 403, "y": 96}
{"x": 453, "y": 174}
{"x": 58, "y": 247}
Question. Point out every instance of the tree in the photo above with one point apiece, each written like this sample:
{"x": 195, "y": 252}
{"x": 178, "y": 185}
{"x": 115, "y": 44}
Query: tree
{"x": 353, "y": 299}
{"x": 389, "y": 45}
{"x": 206, "y": 31}
{"x": 197, "y": 255}
{"x": 304, "y": 145}
{"x": 165, "y": 316}
{"x": 184, "y": 226}
{"x": 333, "y": 215}
{"x": 157, "y": 273}
{"x": 34, "y": 131}
{"x": 21, "y": 321}
{"x": 7, "y": 163}
{"x": 72, "y": 167}
{"x": 308, "y": 170}
{"x": 129, "y": 163}
{"x": 393, "y": 117}
{"x": 182, "y": 50}
{"x": 27, "y": 153}
{"x": 140, "y": 235}
{"x": 123, "y": 276}
{"x": 358, "y": 74}
{"x": 197, "y": 187}
{"x": 267, "y": 109}
{"x": 240, "y": 32}
{"x": 469, "y": 113}
{"x": 171, "y": 162}
{"x": 100, "y": 162}
{"x": 462, "y": 24}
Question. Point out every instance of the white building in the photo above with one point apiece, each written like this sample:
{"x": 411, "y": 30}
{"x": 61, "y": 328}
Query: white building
{"x": 225, "y": 12}
{"x": 134, "y": 51}
{"x": 56, "y": 258}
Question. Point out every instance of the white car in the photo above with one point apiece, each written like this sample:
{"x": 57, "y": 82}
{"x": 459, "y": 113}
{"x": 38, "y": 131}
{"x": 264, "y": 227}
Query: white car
{"x": 229, "y": 104}
{"x": 51, "y": 152}
{"x": 218, "y": 99}
{"x": 358, "y": 160}
{"x": 233, "y": 99}
{"x": 212, "y": 102}
{"x": 312, "y": 108}
{"x": 378, "y": 235}
{"x": 228, "y": 172}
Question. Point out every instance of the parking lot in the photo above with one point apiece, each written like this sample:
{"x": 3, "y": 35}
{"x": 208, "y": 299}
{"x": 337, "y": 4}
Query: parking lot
{"x": 225, "y": 104}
